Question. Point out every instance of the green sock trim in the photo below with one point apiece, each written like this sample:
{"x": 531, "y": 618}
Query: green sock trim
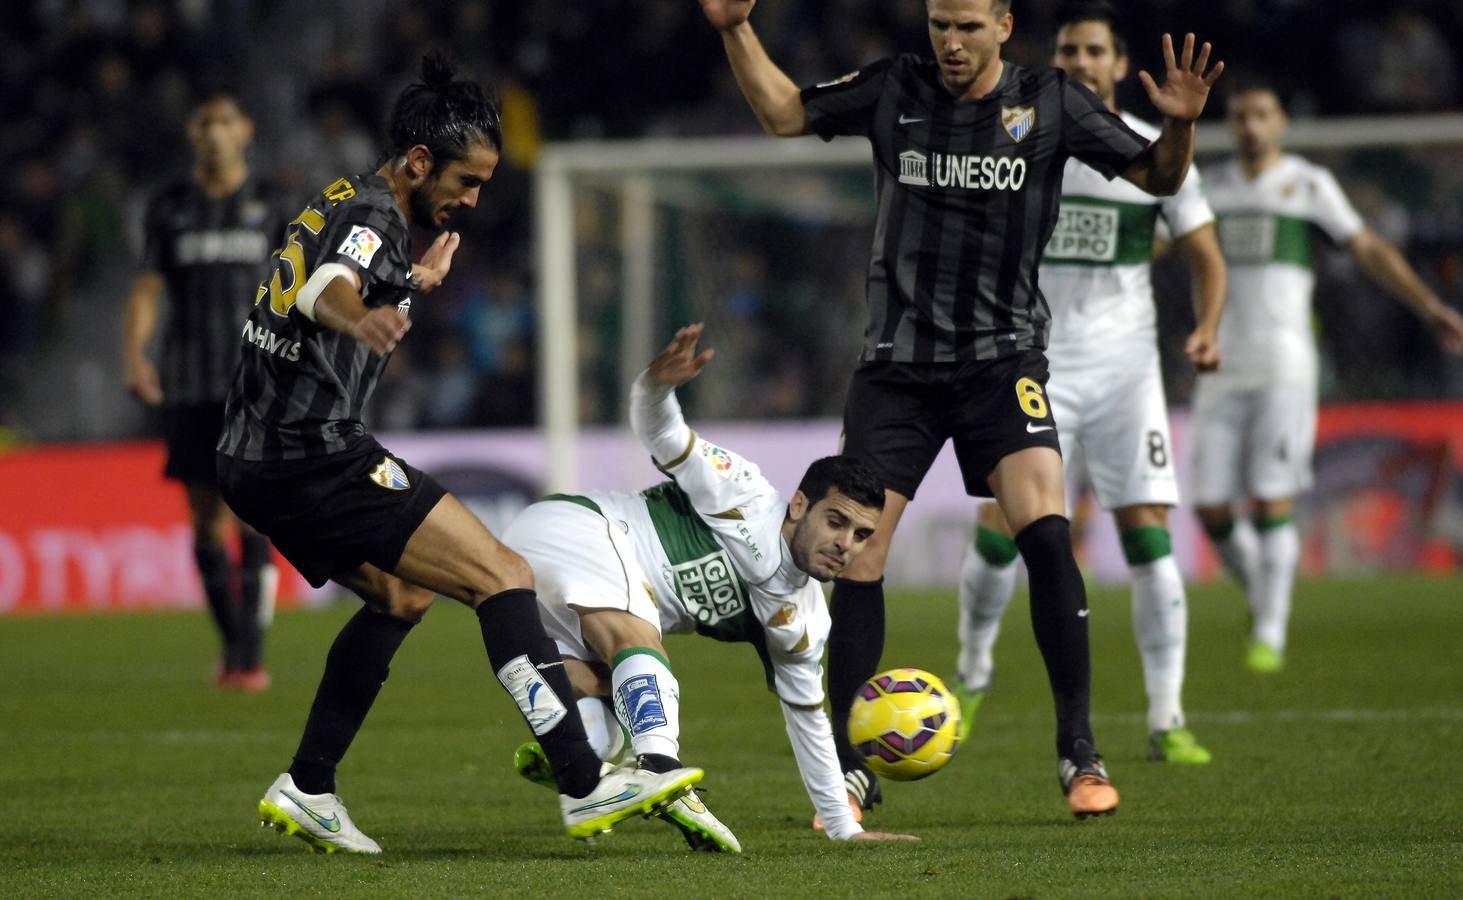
{"x": 1144, "y": 545}
{"x": 1218, "y": 533}
{"x": 1268, "y": 523}
{"x": 995, "y": 548}
{"x": 631, "y": 651}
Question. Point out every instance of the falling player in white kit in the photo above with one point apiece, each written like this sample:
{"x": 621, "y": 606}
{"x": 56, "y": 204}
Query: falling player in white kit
{"x": 1255, "y": 421}
{"x": 716, "y": 551}
{"x": 1107, "y": 397}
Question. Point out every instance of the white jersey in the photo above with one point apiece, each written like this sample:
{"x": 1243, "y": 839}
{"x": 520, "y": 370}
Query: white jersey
{"x": 1267, "y": 227}
{"x": 1096, "y": 269}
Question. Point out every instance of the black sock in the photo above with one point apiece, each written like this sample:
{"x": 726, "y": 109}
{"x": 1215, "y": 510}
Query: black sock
{"x": 254, "y": 556}
{"x": 522, "y": 654}
{"x": 855, "y": 644}
{"x": 355, "y": 669}
{"x": 213, "y": 569}
{"x": 1059, "y": 619}
{"x": 656, "y": 762}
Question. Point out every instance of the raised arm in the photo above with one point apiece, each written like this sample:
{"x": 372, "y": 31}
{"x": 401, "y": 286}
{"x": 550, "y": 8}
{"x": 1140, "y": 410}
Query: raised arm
{"x": 774, "y": 97}
{"x": 1161, "y": 168}
{"x": 1380, "y": 259}
{"x": 139, "y": 321}
{"x": 1200, "y": 248}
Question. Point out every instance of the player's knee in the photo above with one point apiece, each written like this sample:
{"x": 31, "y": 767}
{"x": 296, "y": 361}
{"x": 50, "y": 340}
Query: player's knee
{"x": 505, "y": 571}
{"x": 407, "y": 601}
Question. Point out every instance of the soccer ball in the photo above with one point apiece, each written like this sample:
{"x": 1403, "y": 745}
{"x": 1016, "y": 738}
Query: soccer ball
{"x": 906, "y": 723}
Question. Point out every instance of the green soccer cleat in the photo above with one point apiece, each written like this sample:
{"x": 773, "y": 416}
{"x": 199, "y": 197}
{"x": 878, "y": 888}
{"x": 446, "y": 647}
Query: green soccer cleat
{"x": 970, "y": 701}
{"x": 1263, "y": 659}
{"x": 1177, "y": 745}
{"x": 531, "y": 763}
{"x": 702, "y": 830}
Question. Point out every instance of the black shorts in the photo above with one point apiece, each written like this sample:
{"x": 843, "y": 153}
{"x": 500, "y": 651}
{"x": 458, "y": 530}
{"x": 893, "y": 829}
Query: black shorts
{"x": 191, "y": 434}
{"x": 900, "y": 414}
{"x": 329, "y": 514}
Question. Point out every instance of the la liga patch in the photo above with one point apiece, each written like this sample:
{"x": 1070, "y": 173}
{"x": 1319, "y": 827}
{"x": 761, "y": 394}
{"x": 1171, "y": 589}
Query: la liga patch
{"x": 360, "y": 245}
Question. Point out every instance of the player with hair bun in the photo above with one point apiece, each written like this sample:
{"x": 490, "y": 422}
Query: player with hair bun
{"x": 296, "y": 463}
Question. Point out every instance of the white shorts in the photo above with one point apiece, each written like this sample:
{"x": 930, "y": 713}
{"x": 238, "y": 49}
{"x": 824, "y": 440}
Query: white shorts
{"x": 1251, "y": 442}
{"x": 579, "y": 560}
{"x": 1113, "y": 425}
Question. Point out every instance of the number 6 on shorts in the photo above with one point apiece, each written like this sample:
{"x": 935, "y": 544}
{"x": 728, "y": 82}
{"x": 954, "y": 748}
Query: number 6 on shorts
{"x": 1031, "y": 398}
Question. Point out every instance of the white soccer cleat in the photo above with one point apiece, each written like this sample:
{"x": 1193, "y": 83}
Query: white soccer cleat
{"x": 701, "y": 829}
{"x": 623, "y": 793}
{"x": 319, "y": 820}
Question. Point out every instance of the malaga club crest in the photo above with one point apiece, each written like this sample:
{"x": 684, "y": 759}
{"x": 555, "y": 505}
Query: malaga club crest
{"x": 390, "y": 475}
{"x": 1018, "y": 121}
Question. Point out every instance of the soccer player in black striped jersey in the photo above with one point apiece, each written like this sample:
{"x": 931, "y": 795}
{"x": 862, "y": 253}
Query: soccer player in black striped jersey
{"x": 968, "y": 157}
{"x": 207, "y": 242}
{"x": 296, "y": 462}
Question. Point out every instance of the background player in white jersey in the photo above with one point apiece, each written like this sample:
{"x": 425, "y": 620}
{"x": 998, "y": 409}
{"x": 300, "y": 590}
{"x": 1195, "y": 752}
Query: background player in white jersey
{"x": 1255, "y": 421}
{"x": 716, "y": 551}
{"x": 1106, "y": 392}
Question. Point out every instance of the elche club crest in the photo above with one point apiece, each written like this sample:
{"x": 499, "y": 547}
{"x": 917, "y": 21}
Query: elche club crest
{"x": 389, "y": 474}
{"x": 1018, "y": 121}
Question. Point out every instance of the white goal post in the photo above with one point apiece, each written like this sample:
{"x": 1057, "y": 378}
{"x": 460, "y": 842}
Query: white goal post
{"x": 630, "y": 167}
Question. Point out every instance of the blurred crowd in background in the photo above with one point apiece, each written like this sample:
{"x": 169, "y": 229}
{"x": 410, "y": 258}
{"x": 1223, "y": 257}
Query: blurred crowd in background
{"x": 96, "y": 93}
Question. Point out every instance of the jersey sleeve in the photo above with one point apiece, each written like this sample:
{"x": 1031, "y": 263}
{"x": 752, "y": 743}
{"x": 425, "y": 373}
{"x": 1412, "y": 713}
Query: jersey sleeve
{"x": 154, "y": 238}
{"x": 795, "y": 629}
{"x": 364, "y": 239}
{"x": 812, "y": 744}
{"x": 1332, "y": 212}
{"x": 1187, "y": 210}
{"x": 846, "y": 105}
{"x": 1094, "y": 134}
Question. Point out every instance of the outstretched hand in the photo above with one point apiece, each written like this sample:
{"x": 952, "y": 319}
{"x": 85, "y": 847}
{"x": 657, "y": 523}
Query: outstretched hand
{"x": 437, "y": 261}
{"x": 679, "y": 362}
{"x": 1186, "y": 85}
{"x": 726, "y": 14}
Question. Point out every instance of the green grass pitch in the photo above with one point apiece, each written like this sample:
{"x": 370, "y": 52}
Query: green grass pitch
{"x": 123, "y": 773}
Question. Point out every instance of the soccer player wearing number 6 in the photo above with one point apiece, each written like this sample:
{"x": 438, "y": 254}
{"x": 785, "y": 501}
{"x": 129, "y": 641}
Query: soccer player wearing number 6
{"x": 1106, "y": 393}
{"x": 968, "y": 155}
{"x": 716, "y": 551}
{"x": 1255, "y": 420}
{"x": 296, "y": 462}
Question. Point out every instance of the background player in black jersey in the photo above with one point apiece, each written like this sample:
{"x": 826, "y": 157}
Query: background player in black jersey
{"x": 208, "y": 240}
{"x": 297, "y": 463}
{"x": 968, "y": 154}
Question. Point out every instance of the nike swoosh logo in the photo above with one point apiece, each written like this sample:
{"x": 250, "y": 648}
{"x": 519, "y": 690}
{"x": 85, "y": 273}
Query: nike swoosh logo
{"x": 1082, "y": 613}
{"x": 908, "y": 120}
{"x": 628, "y": 793}
{"x": 1033, "y": 428}
{"x": 331, "y": 824}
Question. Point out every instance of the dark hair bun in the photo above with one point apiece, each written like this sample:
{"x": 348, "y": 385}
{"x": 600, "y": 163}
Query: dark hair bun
{"x": 437, "y": 71}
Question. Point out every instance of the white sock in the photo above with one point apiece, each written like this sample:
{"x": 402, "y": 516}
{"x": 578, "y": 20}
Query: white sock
{"x": 1240, "y": 553}
{"x": 1160, "y": 625}
{"x": 648, "y": 701}
{"x": 606, "y": 736}
{"x": 1270, "y": 600}
{"x": 985, "y": 592}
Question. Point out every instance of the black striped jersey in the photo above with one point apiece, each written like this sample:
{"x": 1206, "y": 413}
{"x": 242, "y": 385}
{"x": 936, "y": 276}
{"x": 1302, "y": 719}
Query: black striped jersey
{"x": 300, "y": 387}
{"x": 210, "y": 252}
{"x": 967, "y": 194}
